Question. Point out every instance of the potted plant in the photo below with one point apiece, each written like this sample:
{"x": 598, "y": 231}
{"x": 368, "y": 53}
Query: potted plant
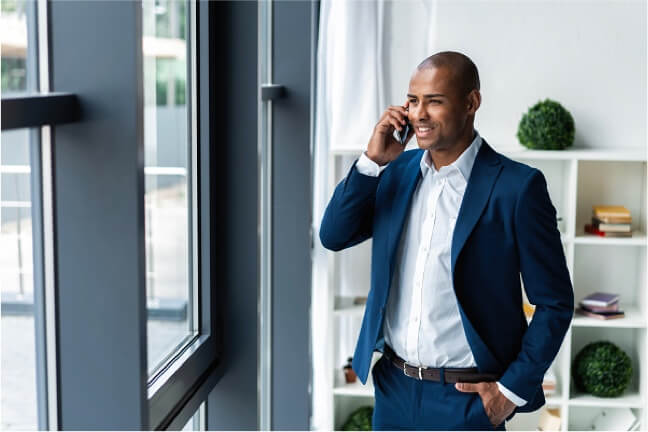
{"x": 359, "y": 419}
{"x": 546, "y": 126}
{"x": 602, "y": 369}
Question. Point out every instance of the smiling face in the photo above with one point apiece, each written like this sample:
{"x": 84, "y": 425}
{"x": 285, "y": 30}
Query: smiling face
{"x": 440, "y": 111}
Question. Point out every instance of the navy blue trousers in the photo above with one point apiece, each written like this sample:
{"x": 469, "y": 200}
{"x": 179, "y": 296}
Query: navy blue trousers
{"x": 405, "y": 403}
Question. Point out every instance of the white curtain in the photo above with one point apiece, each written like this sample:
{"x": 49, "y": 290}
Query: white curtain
{"x": 367, "y": 51}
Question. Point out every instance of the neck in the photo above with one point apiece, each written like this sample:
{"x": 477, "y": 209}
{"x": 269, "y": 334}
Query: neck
{"x": 443, "y": 157}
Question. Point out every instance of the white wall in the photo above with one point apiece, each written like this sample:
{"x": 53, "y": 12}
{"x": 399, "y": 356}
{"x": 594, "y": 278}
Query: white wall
{"x": 588, "y": 55}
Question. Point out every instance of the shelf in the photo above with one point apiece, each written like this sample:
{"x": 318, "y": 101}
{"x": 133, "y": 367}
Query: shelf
{"x": 630, "y": 154}
{"x": 350, "y": 311}
{"x": 638, "y": 239}
{"x": 629, "y": 400}
{"x": 632, "y": 319}
{"x": 346, "y": 152}
{"x": 554, "y": 400}
{"x": 354, "y": 389}
{"x": 347, "y": 306}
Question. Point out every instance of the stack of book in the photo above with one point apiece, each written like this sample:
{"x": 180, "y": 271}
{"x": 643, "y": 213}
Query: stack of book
{"x": 610, "y": 221}
{"x": 549, "y": 382}
{"x": 601, "y": 305}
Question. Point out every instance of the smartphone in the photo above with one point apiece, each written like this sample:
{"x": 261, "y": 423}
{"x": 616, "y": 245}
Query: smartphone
{"x": 402, "y": 134}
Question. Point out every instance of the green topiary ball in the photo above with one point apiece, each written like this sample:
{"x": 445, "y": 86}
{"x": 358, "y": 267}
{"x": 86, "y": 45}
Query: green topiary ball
{"x": 602, "y": 369}
{"x": 359, "y": 419}
{"x": 546, "y": 126}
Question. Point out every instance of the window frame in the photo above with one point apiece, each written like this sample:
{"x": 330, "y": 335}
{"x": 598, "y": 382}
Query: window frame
{"x": 104, "y": 383}
{"x": 176, "y": 391}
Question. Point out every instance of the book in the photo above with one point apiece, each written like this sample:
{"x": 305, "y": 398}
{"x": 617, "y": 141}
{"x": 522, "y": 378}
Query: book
{"x": 610, "y": 227}
{"x": 601, "y": 315}
{"x": 549, "y": 382}
{"x": 610, "y": 308}
{"x": 359, "y": 300}
{"x": 591, "y": 230}
{"x": 614, "y": 220}
{"x": 611, "y": 211}
{"x": 548, "y": 388}
{"x": 600, "y": 299}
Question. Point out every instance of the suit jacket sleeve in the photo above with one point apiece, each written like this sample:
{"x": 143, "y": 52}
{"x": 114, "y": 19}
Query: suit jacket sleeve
{"x": 348, "y": 218}
{"x": 546, "y": 283}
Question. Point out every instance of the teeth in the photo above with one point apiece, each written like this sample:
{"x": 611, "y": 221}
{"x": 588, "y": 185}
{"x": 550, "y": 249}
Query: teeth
{"x": 424, "y": 129}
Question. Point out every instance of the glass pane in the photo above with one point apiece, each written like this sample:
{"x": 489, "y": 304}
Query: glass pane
{"x": 167, "y": 195}
{"x": 193, "y": 424}
{"x": 18, "y": 366}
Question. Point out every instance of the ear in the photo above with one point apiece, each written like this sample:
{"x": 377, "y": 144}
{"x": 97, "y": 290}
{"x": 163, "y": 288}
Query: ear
{"x": 474, "y": 101}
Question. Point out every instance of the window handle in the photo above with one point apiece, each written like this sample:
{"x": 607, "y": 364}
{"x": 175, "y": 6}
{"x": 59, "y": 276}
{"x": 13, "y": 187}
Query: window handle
{"x": 272, "y": 91}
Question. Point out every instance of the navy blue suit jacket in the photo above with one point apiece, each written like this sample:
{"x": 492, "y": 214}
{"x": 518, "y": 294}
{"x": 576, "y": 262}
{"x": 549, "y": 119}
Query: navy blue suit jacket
{"x": 506, "y": 227}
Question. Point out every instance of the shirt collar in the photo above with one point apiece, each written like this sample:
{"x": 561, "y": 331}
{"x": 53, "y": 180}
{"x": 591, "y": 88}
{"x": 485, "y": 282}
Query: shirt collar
{"x": 463, "y": 163}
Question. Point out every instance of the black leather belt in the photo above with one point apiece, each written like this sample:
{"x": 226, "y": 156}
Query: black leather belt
{"x": 452, "y": 375}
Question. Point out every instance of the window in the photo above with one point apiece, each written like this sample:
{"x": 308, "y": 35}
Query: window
{"x": 18, "y": 380}
{"x": 196, "y": 422}
{"x": 20, "y": 318}
{"x": 168, "y": 189}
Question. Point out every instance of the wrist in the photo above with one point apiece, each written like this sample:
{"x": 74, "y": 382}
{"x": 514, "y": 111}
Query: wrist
{"x": 375, "y": 158}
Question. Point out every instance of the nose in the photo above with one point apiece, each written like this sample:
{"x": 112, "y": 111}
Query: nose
{"x": 418, "y": 113}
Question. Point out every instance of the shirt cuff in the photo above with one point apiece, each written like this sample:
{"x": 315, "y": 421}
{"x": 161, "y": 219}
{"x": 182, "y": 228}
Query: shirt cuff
{"x": 517, "y": 400}
{"x": 368, "y": 167}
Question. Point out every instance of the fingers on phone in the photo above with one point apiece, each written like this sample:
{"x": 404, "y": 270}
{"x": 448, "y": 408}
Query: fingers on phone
{"x": 401, "y": 110}
{"x": 392, "y": 119}
{"x": 394, "y": 122}
{"x": 400, "y": 114}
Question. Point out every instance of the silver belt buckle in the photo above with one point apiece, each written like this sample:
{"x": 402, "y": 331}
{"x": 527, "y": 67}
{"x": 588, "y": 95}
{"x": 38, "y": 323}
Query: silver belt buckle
{"x": 420, "y": 371}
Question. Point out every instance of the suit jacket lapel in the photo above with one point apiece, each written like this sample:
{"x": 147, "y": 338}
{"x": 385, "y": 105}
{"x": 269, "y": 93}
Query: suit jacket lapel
{"x": 401, "y": 205}
{"x": 480, "y": 184}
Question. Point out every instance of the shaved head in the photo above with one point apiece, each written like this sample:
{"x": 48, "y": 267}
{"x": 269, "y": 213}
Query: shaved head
{"x": 464, "y": 71}
{"x": 442, "y": 100}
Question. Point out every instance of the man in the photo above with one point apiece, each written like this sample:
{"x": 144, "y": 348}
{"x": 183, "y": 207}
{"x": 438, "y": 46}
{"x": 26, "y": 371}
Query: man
{"x": 454, "y": 224}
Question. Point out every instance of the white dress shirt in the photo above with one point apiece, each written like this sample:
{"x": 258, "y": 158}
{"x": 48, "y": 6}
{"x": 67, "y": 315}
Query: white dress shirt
{"x": 422, "y": 322}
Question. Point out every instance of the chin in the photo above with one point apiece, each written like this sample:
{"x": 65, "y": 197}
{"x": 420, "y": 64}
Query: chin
{"x": 433, "y": 144}
{"x": 427, "y": 145}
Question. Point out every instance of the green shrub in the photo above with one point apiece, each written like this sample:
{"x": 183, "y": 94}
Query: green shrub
{"x": 546, "y": 126}
{"x": 359, "y": 420}
{"x": 602, "y": 369}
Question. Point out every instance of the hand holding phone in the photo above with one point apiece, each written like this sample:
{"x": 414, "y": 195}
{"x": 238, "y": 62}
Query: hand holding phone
{"x": 403, "y": 134}
{"x": 383, "y": 146}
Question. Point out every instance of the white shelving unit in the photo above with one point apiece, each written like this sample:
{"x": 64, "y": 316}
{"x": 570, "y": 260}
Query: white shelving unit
{"x": 576, "y": 179}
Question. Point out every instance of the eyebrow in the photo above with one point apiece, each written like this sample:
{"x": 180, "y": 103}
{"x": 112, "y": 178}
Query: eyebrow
{"x": 427, "y": 95}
